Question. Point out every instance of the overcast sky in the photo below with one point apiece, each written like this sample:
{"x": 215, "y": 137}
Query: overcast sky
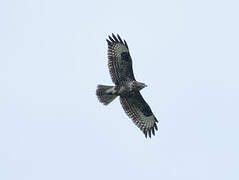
{"x": 54, "y": 53}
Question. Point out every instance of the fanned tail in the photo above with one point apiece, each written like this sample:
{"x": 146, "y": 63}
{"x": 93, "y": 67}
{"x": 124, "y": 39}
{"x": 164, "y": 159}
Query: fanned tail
{"x": 104, "y": 94}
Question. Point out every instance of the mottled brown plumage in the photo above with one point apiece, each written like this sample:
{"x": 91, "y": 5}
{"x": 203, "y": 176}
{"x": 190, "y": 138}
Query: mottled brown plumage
{"x": 121, "y": 72}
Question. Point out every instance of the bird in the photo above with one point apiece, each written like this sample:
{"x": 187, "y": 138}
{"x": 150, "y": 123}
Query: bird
{"x": 126, "y": 87}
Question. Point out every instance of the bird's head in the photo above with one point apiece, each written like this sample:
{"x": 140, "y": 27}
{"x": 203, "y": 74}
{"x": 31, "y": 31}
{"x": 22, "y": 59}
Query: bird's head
{"x": 137, "y": 85}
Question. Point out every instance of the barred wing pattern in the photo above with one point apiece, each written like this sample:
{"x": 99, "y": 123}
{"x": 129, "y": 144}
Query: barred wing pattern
{"x": 139, "y": 111}
{"x": 119, "y": 60}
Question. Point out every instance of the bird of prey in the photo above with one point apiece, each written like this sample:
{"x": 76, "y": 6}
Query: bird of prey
{"x": 126, "y": 87}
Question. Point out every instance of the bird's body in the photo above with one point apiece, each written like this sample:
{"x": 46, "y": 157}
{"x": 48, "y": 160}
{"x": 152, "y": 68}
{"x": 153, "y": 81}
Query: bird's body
{"x": 126, "y": 87}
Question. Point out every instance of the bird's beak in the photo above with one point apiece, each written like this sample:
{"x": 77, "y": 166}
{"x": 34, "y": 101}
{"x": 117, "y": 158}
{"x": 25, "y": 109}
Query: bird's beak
{"x": 144, "y": 85}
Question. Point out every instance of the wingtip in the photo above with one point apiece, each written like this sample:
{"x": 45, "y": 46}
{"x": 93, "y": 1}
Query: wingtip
{"x": 115, "y": 38}
{"x": 149, "y": 131}
{"x": 153, "y": 131}
{"x": 145, "y": 134}
{"x": 119, "y": 38}
{"x": 125, "y": 43}
{"x": 156, "y": 120}
{"x": 155, "y": 126}
{"x": 108, "y": 42}
{"x": 111, "y": 39}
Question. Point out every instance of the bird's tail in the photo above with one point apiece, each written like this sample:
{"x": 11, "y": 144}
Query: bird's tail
{"x": 104, "y": 94}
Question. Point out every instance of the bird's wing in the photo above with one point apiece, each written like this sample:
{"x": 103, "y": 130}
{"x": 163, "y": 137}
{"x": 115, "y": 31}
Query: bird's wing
{"x": 119, "y": 60}
{"x": 139, "y": 111}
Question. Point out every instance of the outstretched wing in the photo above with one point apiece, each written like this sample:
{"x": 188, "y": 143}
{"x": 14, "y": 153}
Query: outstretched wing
{"x": 119, "y": 60}
{"x": 139, "y": 111}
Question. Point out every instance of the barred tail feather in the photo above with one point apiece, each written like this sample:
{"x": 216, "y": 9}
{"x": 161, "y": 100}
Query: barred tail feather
{"x": 103, "y": 94}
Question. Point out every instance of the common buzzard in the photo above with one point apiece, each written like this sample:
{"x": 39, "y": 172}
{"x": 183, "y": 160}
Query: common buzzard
{"x": 126, "y": 87}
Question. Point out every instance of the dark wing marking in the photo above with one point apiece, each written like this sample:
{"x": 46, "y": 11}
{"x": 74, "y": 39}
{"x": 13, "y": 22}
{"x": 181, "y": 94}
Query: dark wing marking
{"x": 119, "y": 60}
{"x": 139, "y": 111}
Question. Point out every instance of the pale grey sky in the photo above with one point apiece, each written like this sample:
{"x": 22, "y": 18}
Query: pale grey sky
{"x": 53, "y": 54}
